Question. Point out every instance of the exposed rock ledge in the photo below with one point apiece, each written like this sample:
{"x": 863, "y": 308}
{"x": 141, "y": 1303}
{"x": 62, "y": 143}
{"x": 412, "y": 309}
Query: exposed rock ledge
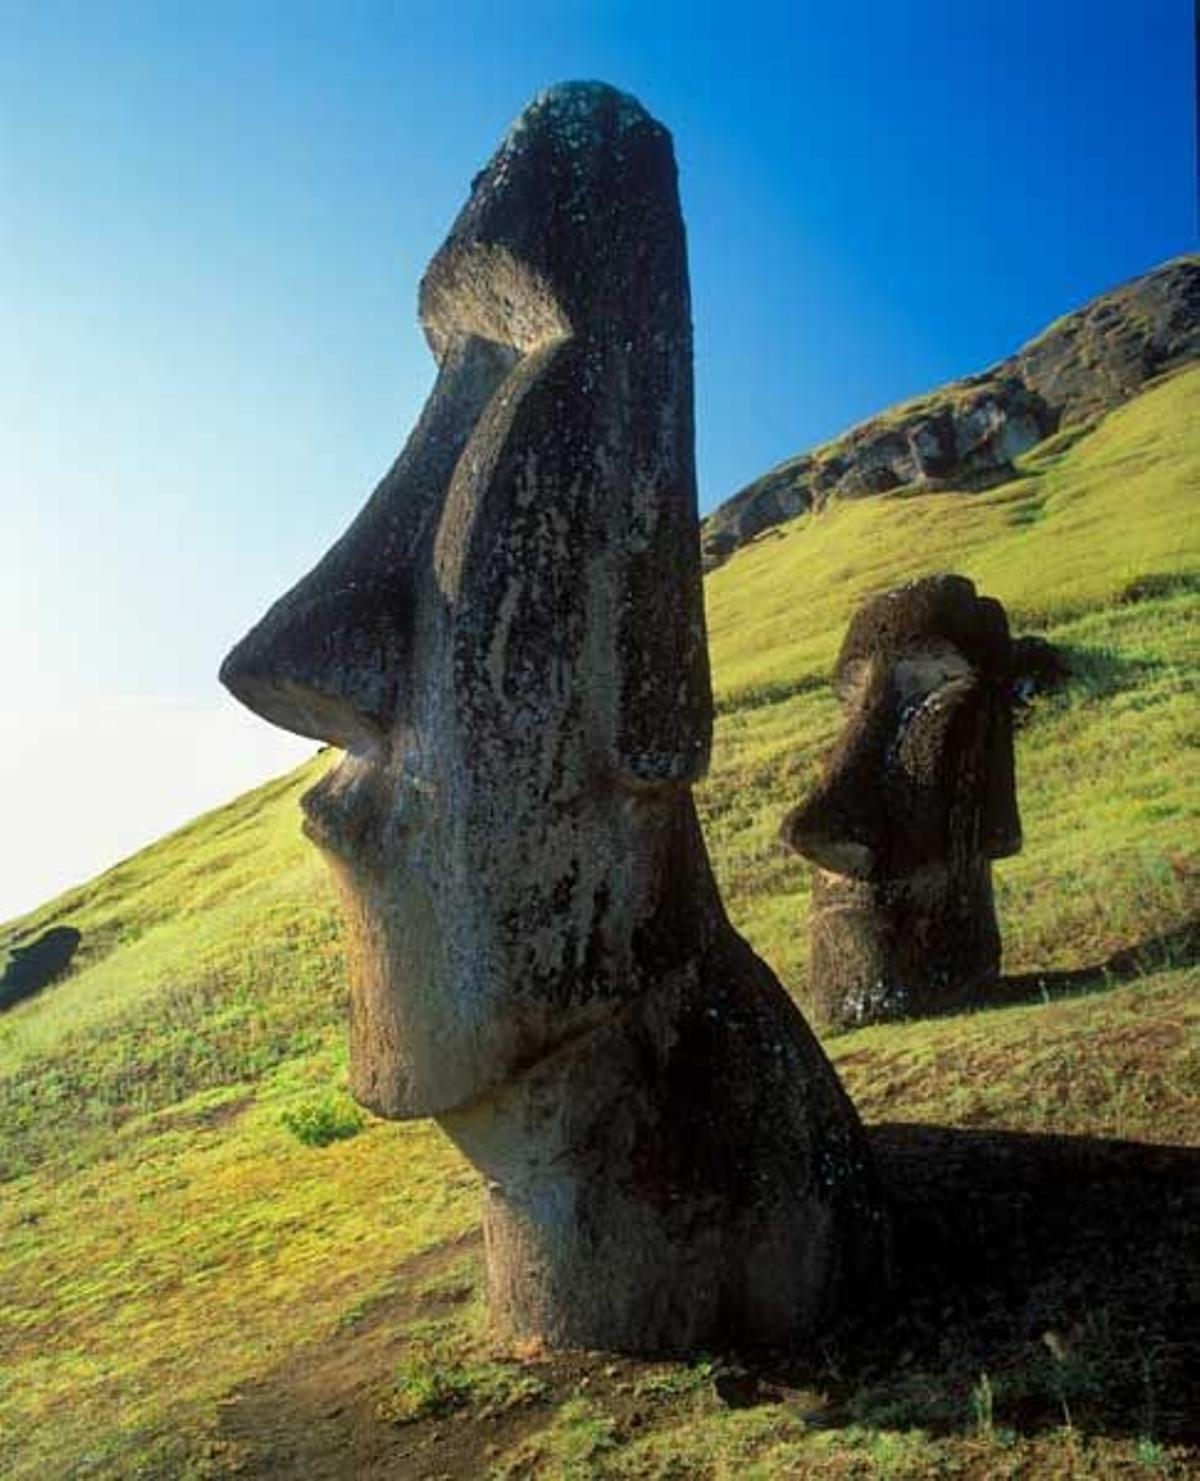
{"x": 966, "y": 434}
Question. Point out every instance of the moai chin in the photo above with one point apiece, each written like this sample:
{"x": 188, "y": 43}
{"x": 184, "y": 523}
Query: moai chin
{"x": 508, "y": 643}
{"x": 916, "y": 799}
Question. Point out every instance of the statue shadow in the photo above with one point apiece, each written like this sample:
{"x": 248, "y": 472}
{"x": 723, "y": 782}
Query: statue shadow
{"x": 1039, "y": 1281}
{"x": 1179, "y": 947}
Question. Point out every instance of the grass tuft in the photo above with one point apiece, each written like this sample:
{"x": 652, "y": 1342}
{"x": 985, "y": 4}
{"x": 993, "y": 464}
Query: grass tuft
{"x": 323, "y": 1120}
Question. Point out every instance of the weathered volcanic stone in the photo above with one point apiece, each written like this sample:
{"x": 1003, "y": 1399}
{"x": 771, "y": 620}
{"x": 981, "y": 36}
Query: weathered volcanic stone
{"x": 916, "y": 799}
{"x": 509, "y": 644}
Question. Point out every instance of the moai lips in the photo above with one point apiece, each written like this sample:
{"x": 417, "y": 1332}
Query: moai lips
{"x": 915, "y": 801}
{"x": 508, "y": 642}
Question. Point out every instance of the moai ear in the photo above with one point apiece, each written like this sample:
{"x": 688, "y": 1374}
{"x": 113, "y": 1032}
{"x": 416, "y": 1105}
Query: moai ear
{"x": 664, "y": 726}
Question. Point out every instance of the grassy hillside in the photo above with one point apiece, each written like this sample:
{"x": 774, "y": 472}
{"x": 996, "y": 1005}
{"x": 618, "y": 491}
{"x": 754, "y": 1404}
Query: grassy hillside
{"x": 1081, "y": 367}
{"x": 1094, "y": 546}
{"x": 194, "y": 1285}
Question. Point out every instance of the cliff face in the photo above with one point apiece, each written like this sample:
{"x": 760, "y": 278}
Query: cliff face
{"x": 966, "y": 434}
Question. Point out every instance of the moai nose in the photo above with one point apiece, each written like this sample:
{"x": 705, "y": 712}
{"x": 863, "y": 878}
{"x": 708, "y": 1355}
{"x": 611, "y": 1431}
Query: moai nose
{"x": 324, "y": 661}
{"x": 841, "y": 825}
{"x": 331, "y": 658}
{"x": 328, "y": 658}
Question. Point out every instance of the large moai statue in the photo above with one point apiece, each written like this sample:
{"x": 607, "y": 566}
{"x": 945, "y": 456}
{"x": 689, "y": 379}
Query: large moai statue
{"x": 508, "y": 643}
{"x": 916, "y": 799}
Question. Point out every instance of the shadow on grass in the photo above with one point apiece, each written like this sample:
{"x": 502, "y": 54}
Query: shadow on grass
{"x": 1041, "y": 1281}
{"x": 1176, "y": 948}
{"x": 1090, "y": 673}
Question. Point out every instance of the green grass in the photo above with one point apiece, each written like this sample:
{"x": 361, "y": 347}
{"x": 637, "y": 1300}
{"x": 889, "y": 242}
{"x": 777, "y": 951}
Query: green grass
{"x": 428, "y": 1387}
{"x": 573, "y": 1446}
{"x": 179, "y": 1212}
{"x": 324, "y": 1119}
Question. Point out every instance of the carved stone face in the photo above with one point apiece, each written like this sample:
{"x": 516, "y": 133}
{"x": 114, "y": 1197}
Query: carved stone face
{"x": 916, "y": 799}
{"x": 508, "y": 641}
{"x": 922, "y": 776}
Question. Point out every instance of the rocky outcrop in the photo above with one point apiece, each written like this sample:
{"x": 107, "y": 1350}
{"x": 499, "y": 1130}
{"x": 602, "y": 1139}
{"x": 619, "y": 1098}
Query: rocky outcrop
{"x": 967, "y": 434}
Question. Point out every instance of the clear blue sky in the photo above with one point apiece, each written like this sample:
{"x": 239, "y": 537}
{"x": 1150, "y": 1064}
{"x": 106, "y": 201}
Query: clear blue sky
{"x": 215, "y": 216}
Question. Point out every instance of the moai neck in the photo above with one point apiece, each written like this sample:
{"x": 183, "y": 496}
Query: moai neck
{"x": 887, "y": 949}
{"x": 686, "y": 1174}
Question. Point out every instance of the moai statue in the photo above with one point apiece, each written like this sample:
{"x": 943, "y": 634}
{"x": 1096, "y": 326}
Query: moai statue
{"x": 508, "y": 643}
{"x": 916, "y": 800}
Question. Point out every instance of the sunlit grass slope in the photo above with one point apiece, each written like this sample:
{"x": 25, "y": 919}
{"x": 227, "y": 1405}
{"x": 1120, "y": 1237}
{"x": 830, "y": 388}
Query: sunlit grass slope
{"x": 165, "y": 1237}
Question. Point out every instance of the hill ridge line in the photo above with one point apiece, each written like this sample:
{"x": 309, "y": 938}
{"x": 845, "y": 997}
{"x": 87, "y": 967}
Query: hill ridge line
{"x": 965, "y": 434}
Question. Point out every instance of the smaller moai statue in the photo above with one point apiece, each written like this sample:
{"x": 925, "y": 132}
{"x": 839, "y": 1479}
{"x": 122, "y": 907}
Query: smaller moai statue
{"x": 916, "y": 799}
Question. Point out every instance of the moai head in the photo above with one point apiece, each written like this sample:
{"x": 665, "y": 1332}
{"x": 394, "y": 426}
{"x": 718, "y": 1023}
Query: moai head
{"x": 916, "y": 799}
{"x": 508, "y": 641}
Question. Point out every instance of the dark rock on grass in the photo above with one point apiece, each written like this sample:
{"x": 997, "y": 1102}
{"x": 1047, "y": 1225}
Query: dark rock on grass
{"x": 1038, "y": 667}
{"x": 1157, "y": 586}
{"x": 33, "y": 967}
{"x": 737, "y": 1388}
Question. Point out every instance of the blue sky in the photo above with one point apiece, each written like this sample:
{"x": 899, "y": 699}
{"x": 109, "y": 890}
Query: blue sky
{"x": 215, "y": 217}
